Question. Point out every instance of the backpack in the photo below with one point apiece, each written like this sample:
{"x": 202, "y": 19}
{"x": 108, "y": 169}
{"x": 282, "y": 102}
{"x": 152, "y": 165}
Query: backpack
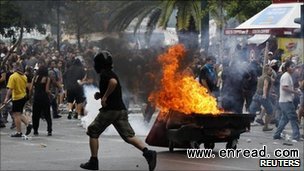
{"x": 55, "y": 73}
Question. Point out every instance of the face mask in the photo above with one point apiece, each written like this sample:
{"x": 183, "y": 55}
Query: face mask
{"x": 97, "y": 68}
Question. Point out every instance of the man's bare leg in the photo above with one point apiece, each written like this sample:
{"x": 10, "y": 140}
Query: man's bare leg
{"x": 92, "y": 164}
{"x": 17, "y": 119}
{"x": 150, "y": 155}
{"x": 94, "y": 145}
{"x": 136, "y": 143}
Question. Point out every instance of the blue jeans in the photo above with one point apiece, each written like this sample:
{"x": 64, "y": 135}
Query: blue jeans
{"x": 54, "y": 105}
{"x": 257, "y": 102}
{"x": 288, "y": 114}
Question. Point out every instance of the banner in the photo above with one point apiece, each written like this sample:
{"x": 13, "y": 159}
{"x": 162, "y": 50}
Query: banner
{"x": 293, "y": 49}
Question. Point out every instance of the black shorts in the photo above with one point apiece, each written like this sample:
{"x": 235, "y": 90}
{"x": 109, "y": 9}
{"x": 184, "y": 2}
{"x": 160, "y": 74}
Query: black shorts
{"x": 75, "y": 94}
{"x": 18, "y": 105}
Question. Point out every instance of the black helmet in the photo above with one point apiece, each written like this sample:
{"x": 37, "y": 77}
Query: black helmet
{"x": 103, "y": 60}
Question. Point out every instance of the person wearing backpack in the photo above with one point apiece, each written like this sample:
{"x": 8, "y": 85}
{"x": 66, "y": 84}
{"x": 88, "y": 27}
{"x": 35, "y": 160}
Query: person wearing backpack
{"x": 55, "y": 86}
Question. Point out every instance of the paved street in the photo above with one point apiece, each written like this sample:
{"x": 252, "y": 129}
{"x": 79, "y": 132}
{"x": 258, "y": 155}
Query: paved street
{"x": 68, "y": 147}
{"x": 186, "y": 58}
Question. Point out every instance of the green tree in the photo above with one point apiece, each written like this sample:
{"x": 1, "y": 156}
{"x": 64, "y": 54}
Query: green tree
{"x": 221, "y": 11}
{"x": 79, "y": 18}
{"x": 188, "y": 20}
{"x": 22, "y": 15}
{"x": 239, "y": 9}
{"x": 188, "y": 17}
{"x": 19, "y": 16}
{"x": 243, "y": 10}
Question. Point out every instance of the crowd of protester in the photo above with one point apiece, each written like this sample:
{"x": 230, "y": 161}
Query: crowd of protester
{"x": 244, "y": 82}
{"x": 48, "y": 79}
{"x": 253, "y": 84}
{"x": 55, "y": 80}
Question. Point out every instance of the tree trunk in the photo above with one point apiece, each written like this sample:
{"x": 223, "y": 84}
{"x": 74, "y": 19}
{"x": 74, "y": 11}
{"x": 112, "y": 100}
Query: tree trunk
{"x": 151, "y": 26}
{"x": 78, "y": 38}
{"x": 205, "y": 28}
{"x": 221, "y": 31}
{"x": 58, "y": 26}
{"x": 18, "y": 43}
{"x": 189, "y": 37}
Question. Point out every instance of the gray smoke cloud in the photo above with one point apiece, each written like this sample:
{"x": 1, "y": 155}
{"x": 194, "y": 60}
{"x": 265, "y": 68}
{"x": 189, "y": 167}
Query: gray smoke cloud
{"x": 92, "y": 107}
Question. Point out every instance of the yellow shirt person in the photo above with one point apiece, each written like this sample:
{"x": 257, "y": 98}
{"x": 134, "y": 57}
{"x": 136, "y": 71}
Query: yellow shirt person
{"x": 17, "y": 83}
{"x": 17, "y": 88}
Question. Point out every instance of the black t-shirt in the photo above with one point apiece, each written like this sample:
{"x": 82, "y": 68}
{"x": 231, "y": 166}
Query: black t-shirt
{"x": 114, "y": 101}
{"x": 2, "y": 84}
{"x": 71, "y": 76}
{"x": 250, "y": 78}
{"x": 91, "y": 74}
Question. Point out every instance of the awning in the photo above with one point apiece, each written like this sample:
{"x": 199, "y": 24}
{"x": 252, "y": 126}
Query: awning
{"x": 276, "y": 19}
{"x": 258, "y": 39}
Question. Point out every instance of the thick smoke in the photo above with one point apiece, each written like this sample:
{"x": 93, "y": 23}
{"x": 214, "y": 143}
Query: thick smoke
{"x": 93, "y": 106}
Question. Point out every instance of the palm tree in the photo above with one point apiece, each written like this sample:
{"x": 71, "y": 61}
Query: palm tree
{"x": 159, "y": 12}
{"x": 189, "y": 15}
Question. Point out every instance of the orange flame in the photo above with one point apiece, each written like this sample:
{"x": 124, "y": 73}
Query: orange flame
{"x": 180, "y": 91}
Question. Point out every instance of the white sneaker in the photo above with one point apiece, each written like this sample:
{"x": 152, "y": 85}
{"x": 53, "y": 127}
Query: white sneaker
{"x": 295, "y": 141}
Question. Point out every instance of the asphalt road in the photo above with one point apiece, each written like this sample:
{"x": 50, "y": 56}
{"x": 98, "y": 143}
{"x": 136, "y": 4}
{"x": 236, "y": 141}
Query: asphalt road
{"x": 68, "y": 147}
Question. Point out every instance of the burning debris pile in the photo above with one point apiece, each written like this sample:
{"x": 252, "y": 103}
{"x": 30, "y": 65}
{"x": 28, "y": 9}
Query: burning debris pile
{"x": 179, "y": 91}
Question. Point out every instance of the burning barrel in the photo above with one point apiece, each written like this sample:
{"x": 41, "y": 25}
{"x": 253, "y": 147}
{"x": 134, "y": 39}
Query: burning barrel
{"x": 189, "y": 112}
{"x": 179, "y": 130}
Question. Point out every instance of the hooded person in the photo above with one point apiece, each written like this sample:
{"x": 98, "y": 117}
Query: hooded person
{"x": 113, "y": 111}
{"x": 103, "y": 61}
